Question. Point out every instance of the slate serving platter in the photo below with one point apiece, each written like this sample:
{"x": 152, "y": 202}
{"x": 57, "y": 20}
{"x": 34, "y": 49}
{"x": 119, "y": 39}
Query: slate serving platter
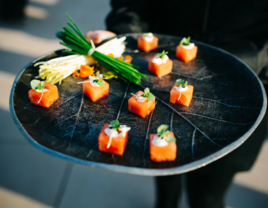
{"x": 229, "y": 102}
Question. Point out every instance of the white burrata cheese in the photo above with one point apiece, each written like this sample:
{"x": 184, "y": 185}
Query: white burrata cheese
{"x": 149, "y": 37}
{"x": 190, "y": 46}
{"x": 181, "y": 89}
{"x": 114, "y": 133}
{"x": 140, "y": 98}
{"x": 158, "y": 60}
{"x": 159, "y": 142}
{"x": 91, "y": 81}
{"x": 44, "y": 90}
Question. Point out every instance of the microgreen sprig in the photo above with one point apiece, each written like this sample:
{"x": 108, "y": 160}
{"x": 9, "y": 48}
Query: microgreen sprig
{"x": 98, "y": 74}
{"x": 38, "y": 85}
{"x": 148, "y": 94}
{"x": 98, "y": 81}
{"x": 162, "y": 55}
{"x": 147, "y": 34}
{"x": 164, "y": 133}
{"x": 185, "y": 41}
{"x": 181, "y": 82}
{"x": 115, "y": 124}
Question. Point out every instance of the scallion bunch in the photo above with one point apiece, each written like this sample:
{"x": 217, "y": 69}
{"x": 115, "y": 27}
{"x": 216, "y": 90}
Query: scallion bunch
{"x": 73, "y": 38}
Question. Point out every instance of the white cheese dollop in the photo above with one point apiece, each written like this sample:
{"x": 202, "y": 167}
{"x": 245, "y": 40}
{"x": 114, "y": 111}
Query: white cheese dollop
{"x": 114, "y": 133}
{"x": 44, "y": 90}
{"x": 140, "y": 98}
{"x": 158, "y": 60}
{"x": 190, "y": 46}
{"x": 159, "y": 142}
{"x": 181, "y": 89}
{"x": 91, "y": 81}
{"x": 149, "y": 37}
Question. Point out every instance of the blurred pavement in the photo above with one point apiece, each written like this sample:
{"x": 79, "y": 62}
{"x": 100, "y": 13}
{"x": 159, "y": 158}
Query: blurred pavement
{"x": 30, "y": 178}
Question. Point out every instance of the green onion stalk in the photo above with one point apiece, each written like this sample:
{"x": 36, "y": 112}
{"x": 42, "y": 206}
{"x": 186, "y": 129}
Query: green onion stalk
{"x": 72, "y": 37}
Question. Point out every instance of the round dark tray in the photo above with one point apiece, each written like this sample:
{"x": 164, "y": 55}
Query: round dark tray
{"x": 228, "y": 104}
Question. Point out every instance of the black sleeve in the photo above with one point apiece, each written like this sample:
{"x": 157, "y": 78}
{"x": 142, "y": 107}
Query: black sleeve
{"x": 128, "y": 16}
{"x": 253, "y": 53}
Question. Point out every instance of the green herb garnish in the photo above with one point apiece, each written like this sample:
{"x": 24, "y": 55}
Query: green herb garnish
{"x": 98, "y": 81}
{"x": 115, "y": 124}
{"x": 185, "y": 41}
{"x": 147, "y": 34}
{"x": 148, "y": 94}
{"x": 37, "y": 84}
{"x": 73, "y": 38}
{"x": 181, "y": 82}
{"x": 163, "y": 133}
{"x": 162, "y": 55}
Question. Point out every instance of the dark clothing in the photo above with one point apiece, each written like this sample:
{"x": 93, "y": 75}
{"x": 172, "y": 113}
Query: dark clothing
{"x": 208, "y": 189}
{"x": 12, "y": 10}
{"x": 231, "y": 24}
{"x": 201, "y": 19}
{"x": 238, "y": 26}
{"x": 205, "y": 190}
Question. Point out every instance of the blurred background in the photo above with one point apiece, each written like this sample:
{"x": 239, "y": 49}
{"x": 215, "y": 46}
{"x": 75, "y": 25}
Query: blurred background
{"x": 30, "y": 178}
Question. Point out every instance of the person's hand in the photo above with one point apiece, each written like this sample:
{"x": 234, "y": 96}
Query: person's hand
{"x": 99, "y": 35}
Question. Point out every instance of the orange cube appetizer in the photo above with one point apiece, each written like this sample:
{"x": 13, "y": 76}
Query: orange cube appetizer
{"x": 93, "y": 90}
{"x": 186, "y": 51}
{"x": 160, "y": 65}
{"x": 46, "y": 98}
{"x": 165, "y": 150}
{"x": 115, "y": 145}
{"x": 147, "y": 42}
{"x": 181, "y": 94}
{"x": 141, "y": 105}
